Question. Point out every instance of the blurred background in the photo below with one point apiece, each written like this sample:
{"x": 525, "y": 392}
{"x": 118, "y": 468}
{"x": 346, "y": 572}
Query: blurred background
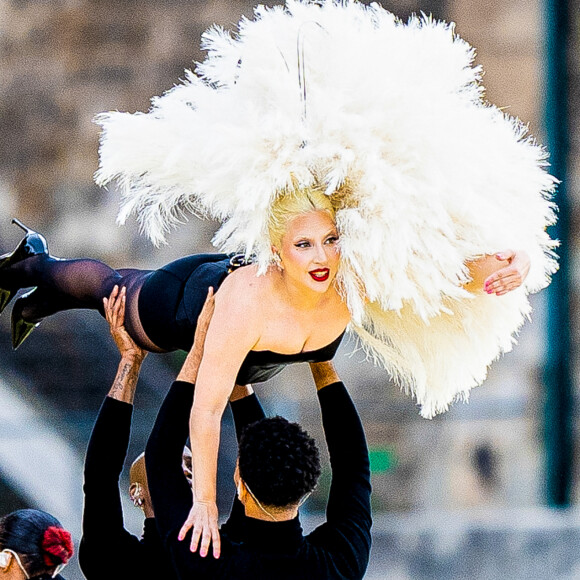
{"x": 486, "y": 491}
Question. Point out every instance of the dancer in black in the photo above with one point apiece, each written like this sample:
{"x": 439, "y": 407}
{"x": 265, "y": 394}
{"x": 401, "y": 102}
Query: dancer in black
{"x": 33, "y": 544}
{"x": 262, "y": 538}
{"x": 107, "y": 449}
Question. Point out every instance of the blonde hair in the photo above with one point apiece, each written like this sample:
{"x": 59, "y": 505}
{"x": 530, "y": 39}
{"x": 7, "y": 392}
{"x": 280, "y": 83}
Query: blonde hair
{"x": 291, "y": 204}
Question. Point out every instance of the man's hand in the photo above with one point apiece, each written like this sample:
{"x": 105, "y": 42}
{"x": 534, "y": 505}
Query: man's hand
{"x": 125, "y": 383}
{"x": 511, "y": 276}
{"x": 203, "y": 520}
{"x": 190, "y": 367}
{"x": 115, "y": 315}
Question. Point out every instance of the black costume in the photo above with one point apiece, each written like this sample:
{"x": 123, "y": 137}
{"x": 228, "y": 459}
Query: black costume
{"x": 171, "y": 300}
{"x": 103, "y": 530}
{"x": 263, "y": 550}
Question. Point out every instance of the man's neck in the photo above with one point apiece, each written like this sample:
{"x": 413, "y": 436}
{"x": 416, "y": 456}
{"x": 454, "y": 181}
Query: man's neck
{"x": 269, "y": 513}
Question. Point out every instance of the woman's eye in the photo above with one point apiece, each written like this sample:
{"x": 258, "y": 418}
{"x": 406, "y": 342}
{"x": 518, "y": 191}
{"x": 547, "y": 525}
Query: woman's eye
{"x": 302, "y": 244}
{"x": 332, "y": 240}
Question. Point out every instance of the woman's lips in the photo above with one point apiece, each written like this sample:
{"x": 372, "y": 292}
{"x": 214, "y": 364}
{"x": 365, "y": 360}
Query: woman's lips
{"x": 320, "y": 275}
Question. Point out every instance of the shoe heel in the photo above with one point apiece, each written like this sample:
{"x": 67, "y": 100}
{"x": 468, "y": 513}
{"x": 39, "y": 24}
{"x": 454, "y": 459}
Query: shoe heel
{"x": 5, "y": 297}
{"x": 22, "y": 226}
{"x": 21, "y": 328}
{"x": 21, "y": 331}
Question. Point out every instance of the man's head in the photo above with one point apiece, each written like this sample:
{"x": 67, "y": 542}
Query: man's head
{"x": 139, "y": 488}
{"x": 278, "y": 464}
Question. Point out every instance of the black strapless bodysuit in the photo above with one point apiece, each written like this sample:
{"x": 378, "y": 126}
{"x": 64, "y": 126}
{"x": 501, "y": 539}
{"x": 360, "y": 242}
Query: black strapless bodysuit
{"x": 172, "y": 298}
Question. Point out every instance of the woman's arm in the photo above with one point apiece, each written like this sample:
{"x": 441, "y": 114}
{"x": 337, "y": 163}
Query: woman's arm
{"x": 233, "y": 331}
{"x": 499, "y": 273}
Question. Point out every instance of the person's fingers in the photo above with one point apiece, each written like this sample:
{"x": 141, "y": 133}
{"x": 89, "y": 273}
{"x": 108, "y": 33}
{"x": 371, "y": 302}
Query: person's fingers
{"x": 195, "y": 538}
{"x": 111, "y": 303}
{"x": 512, "y": 279}
{"x": 205, "y": 542}
{"x": 118, "y": 309}
{"x": 121, "y": 308}
{"x": 114, "y": 293}
{"x": 216, "y": 543}
{"x": 506, "y": 286}
{"x": 184, "y": 529}
{"x": 512, "y": 270}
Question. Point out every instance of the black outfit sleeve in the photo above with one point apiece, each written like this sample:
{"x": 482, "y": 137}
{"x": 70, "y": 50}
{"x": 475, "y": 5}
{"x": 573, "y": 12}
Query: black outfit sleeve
{"x": 103, "y": 514}
{"x": 346, "y": 533}
{"x": 245, "y": 412}
{"x": 170, "y": 493}
{"x": 168, "y": 487}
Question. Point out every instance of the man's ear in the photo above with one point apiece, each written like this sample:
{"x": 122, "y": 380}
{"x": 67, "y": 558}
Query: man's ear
{"x": 242, "y": 491}
{"x": 136, "y": 494}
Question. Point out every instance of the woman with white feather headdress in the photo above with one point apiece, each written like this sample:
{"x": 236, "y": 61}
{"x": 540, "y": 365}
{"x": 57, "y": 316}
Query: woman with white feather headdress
{"x": 352, "y": 158}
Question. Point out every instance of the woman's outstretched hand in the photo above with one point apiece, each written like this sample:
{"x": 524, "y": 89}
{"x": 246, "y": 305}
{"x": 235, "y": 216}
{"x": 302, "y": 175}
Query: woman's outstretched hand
{"x": 115, "y": 315}
{"x": 511, "y": 276}
{"x": 203, "y": 521}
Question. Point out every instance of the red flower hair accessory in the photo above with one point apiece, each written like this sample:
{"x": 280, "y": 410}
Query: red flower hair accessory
{"x": 57, "y": 546}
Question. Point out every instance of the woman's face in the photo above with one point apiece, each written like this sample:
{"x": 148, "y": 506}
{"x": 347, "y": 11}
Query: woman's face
{"x": 309, "y": 250}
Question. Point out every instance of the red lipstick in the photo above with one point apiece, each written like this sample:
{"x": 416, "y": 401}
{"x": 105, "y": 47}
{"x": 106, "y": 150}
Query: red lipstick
{"x": 320, "y": 275}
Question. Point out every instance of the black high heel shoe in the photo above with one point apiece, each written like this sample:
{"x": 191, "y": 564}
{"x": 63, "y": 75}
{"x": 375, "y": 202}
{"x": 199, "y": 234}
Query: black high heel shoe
{"x": 21, "y": 328}
{"x": 33, "y": 244}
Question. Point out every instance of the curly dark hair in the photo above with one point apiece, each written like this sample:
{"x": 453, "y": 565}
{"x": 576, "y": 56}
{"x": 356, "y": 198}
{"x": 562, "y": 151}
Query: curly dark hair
{"x": 279, "y": 461}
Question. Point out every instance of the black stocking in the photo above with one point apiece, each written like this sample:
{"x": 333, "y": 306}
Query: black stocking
{"x": 85, "y": 282}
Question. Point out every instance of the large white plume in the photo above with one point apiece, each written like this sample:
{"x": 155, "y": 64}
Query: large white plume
{"x": 334, "y": 93}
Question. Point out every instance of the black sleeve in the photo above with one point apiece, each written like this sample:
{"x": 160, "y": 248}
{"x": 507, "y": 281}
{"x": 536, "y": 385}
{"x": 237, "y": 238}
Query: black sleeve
{"x": 346, "y": 533}
{"x": 245, "y": 411}
{"x": 170, "y": 493}
{"x": 102, "y": 513}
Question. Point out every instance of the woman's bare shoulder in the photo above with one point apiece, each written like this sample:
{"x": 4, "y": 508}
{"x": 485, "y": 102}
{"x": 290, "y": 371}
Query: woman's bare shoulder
{"x": 245, "y": 287}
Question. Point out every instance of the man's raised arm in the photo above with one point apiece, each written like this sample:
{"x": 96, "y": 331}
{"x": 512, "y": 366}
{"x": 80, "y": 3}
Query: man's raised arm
{"x": 346, "y": 533}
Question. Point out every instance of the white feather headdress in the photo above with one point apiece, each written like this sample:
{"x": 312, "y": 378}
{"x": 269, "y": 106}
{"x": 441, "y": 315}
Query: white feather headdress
{"x": 330, "y": 93}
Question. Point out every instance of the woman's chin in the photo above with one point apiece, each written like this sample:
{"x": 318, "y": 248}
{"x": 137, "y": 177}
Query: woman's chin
{"x": 319, "y": 286}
